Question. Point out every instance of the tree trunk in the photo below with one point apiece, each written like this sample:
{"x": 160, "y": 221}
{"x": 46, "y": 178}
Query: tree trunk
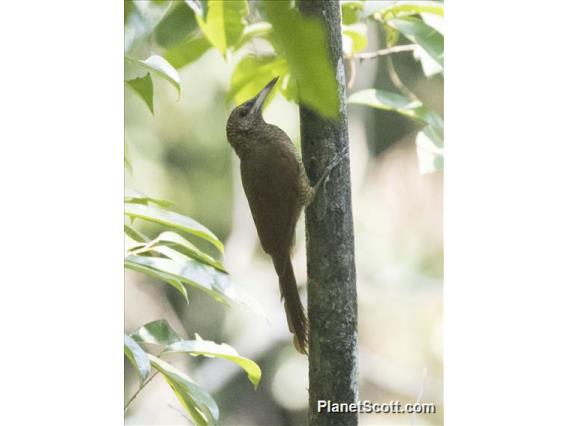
{"x": 332, "y": 295}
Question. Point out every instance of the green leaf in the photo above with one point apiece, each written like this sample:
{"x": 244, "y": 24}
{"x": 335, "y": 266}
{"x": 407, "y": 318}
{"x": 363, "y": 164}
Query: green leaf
{"x": 351, "y": 10}
{"x": 356, "y": 38}
{"x": 169, "y": 244}
{"x": 302, "y": 41}
{"x": 258, "y": 29}
{"x": 156, "y": 332}
{"x": 137, "y": 357}
{"x": 131, "y": 244}
{"x": 160, "y": 67}
{"x": 425, "y": 36}
{"x": 212, "y": 349}
{"x": 202, "y": 277}
{"x": 434, "y": 21}
{"x": 429, "y": 148}
{"x": 389, "y": 101}
{"x": 171, "y": 254}
{"x": 177, "y": 242}
{"x": 288, "y": 87}
{"x": 176, "y": 26}
{"x": 132, "y": 196}
{"x": 224, "y": 23}
{"x": 128, "y": 7}
{"x": 173, "y": 220}
{"x": 143, "y": 87}
{"x": 136, "y": 235}
{"x": 196, "y": 400}
{"x": 429, "y": 141}
{"x": 252, "y": 74}
{"x": 413, "y": 7}
{"x": 199, "y": 7}
{"x": 144, "y": 264}
{"x": 429, "y": 66}
{"x": 143, "y": 16}
{"x": 188, "y": 52}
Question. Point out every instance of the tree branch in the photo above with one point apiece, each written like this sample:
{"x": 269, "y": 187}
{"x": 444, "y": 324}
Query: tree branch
{"x": 133, "y": 397}
{"x": 384, "y": 52}
{"x": 332, "y": 294}
{"x": 142, "y": 386}
{"x": 397, "y": 81}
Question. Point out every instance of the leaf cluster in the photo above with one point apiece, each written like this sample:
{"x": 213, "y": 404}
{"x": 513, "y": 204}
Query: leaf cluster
{"x": 171, "y": 258}
{"x": 180, "y": 32}
{"x": 271, "y": 38}
{"x": 195, "y": 399}
{"x": 417, "y": 22}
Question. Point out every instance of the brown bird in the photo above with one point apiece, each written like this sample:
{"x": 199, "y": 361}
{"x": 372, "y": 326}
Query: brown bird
{"x": 277, "y": 188}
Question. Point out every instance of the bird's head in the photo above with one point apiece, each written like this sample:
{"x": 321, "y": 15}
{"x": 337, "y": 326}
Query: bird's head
{"x": 244, "y": 117}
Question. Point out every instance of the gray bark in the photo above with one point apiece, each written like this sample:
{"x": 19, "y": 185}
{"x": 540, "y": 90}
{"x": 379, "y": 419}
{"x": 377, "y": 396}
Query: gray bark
{"x": 332, "y": 294}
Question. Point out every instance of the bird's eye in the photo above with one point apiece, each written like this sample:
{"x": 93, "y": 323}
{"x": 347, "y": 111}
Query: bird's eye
{"x": 243, "y": 112}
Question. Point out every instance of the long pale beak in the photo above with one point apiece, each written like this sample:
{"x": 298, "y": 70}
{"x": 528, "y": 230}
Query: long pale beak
{"x": 262, "y": 95}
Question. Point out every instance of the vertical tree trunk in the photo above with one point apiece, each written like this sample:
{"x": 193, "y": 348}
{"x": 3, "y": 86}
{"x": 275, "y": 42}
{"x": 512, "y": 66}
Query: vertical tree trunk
{"x": 332, "y": 295}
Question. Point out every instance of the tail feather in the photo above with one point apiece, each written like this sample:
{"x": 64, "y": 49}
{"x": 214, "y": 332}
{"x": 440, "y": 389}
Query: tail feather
{"x": 295, "y": 315}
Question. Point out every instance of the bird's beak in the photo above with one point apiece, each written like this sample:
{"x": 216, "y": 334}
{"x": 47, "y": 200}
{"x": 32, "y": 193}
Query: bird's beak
{"x": 262, "y": 95}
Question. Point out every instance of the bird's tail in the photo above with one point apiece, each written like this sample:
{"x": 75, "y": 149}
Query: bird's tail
{"x": 297, "y": 322}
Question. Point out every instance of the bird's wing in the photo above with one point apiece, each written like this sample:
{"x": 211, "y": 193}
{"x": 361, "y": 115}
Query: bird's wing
{"x": 271, "y": 184}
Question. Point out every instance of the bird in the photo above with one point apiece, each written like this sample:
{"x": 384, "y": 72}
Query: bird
{"x": 277, "y": 189}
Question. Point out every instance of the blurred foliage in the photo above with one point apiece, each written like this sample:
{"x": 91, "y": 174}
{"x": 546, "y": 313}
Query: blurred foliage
{"x": 302, "y": 42}
{"x": 409, "y": 19}
{"x": 251, "y": 75}
{"x": 137, "y": 357}
{"x": 171, "y": 258}
{"x": 176, "y": 26}
{"x": 429, "y": 141}
{"x": 144, "y": 88}
{"x": 224, "y": 23}
{"x": 197, "y": 401}
{"x": 184, "y": 31}
{"x": 265, "y": 39}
